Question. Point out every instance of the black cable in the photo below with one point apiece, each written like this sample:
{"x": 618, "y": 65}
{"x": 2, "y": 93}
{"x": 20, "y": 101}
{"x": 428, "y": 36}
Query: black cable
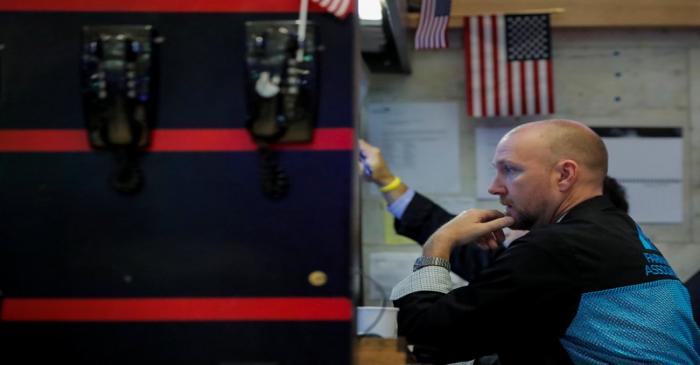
{"x": 274, "y": 181}
{"x": 382, "y": 293}
{"x": 128, "y": 178}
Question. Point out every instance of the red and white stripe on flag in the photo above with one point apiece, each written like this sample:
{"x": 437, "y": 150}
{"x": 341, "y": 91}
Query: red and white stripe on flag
{"x": 432, "y": 27}
{"x": 339, "y": 8}
{"x": 508, "y": 65}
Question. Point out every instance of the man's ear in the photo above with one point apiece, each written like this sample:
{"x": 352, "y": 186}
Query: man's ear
{"x": 567, "y": 174}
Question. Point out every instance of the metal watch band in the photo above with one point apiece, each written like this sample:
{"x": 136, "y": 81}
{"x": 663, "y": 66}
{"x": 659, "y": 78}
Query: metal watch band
{"x": 424, "y": 261}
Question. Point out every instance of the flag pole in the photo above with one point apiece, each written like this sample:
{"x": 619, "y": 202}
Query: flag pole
{"x": 301, "y": 31}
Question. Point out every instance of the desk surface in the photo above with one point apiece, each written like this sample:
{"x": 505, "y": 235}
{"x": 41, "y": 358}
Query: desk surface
{"x": 380, "y": 351}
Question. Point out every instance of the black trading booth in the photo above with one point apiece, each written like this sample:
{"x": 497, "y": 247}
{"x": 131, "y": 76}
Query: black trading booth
{"x": 145, "y": 216}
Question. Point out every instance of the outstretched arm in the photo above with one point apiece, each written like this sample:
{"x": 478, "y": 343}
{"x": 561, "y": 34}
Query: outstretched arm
{"x": 419, "y": 216}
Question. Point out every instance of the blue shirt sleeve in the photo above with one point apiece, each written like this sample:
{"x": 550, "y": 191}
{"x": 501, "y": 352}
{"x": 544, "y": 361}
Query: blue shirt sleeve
{"x": 398, "y": 207}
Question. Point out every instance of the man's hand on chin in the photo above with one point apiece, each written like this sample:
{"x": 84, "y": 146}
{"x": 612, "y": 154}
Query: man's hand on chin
{"x": 483, "y": 227}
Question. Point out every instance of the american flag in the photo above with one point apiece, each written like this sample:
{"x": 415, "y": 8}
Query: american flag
{"x": 508, "y": 63}
{"x": 339, "y": 8}
{"x": 432, "y": 27}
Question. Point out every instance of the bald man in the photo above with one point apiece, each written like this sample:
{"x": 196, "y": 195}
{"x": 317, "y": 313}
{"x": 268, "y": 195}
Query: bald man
{"x": 585, "y": 286}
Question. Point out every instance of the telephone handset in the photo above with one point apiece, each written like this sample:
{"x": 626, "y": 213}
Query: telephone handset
{"x": 282, "y": 93}
{"x": 118, "y": 75}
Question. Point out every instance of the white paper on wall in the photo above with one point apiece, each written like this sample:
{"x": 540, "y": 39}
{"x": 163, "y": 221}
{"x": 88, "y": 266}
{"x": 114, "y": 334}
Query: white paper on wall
{"x": 655, "y": 201}
{"x": 420, "y": 142}
{"x": 648, "y": 162}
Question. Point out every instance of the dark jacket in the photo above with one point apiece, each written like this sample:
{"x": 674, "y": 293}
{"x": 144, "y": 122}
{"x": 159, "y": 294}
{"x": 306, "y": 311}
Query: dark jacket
{"x": 591, "y": 289}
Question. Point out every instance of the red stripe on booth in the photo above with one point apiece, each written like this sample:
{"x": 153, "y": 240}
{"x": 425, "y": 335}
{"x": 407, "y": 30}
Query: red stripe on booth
{"x": 159, "y": 6}
{"x": 176, "y": 309}
{"x": 170, "y": 140}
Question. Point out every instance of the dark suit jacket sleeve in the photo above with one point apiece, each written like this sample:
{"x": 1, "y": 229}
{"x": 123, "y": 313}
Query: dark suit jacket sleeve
{"x": 527, "y": 290}
{"x": 423, "y": 217}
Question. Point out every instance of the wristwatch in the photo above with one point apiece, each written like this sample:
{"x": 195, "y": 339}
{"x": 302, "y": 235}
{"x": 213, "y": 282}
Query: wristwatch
{"x": 424, "y": 261}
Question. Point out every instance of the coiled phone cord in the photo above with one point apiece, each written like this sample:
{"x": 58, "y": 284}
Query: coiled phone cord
{"x": 274, "y": 181}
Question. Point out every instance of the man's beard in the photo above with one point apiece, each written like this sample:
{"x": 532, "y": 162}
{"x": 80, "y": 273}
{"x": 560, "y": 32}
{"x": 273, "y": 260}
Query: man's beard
{"x": 525, "y": 221}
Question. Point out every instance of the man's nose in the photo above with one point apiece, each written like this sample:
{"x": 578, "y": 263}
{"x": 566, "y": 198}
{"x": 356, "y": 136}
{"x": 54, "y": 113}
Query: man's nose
{"x": 496, "y": 188}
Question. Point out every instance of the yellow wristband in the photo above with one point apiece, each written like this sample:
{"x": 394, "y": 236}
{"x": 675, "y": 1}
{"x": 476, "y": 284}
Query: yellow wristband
{"x": 391, "y": 186}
